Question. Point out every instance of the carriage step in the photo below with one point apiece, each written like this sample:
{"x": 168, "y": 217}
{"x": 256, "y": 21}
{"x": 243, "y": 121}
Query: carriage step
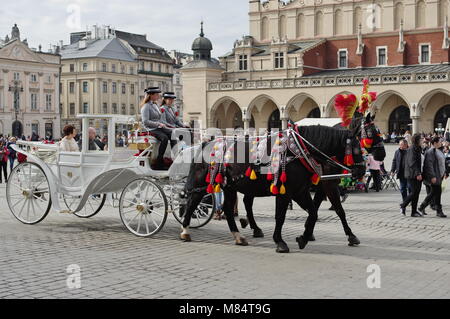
{"x": 66, "y": 211}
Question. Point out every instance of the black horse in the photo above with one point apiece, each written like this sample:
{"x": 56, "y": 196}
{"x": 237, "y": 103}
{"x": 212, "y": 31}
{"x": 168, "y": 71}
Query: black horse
{"x": 330, "y": 188}
{"x": 330, "y": 141}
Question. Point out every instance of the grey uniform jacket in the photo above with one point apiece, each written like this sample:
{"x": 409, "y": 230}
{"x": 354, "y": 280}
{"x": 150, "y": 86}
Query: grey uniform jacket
{"x": 151, "y": 116}
{"x": 169, "y": 117}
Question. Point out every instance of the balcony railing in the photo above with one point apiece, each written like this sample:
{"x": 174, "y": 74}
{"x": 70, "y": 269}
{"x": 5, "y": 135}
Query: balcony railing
{"x": 325, "y": 81}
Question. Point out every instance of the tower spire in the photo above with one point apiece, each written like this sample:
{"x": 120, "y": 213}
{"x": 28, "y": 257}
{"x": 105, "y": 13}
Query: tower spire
{"x": 201, "y": 30}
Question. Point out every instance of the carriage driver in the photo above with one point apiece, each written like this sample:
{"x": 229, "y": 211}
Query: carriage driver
{"x": 153, "y": 121}
{"x": 170, "y": 115}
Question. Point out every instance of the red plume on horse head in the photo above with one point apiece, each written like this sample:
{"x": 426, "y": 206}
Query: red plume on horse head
{"x": 367, "y": 98}
{"x": 345, "y": 105}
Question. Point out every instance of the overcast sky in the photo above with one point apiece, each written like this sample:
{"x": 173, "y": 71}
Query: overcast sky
{"x": 172, "y": 24}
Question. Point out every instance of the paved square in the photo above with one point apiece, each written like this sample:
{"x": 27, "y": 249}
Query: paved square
{"x": 413, "y": 255}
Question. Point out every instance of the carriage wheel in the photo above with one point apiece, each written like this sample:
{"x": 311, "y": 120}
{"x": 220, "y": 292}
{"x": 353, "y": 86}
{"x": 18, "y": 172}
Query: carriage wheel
{"x": 202, "y": 214}
{"x": 28, "y": 193}
{"x": 92, "y": 207}
{"x": 143, "y": 207}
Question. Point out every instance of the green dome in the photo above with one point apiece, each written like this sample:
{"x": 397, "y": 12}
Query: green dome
{"x": 202, "y": 43}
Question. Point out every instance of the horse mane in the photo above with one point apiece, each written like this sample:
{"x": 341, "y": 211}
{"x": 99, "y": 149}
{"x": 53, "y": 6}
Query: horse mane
{"x": 329, "y": 140}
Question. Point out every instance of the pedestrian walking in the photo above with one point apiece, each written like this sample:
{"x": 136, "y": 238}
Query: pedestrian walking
{"x": 12, "y": 153}
{"x": 398, "y": 168}
{"x": 433, "y": 175}
{"x": 413, "y": 173}
{"x": 3, "y": 161}
{"x": 374, "y": 167}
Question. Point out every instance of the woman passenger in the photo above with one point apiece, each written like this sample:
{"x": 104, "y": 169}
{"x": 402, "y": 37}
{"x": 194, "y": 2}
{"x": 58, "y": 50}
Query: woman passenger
{"x": 68, "y": 143}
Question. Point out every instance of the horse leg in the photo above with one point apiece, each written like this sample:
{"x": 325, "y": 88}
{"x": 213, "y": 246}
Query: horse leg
{"x": 248, "y": 202}
{"x": 332, "y": 191}
{"x": 282, "y": 203}
{"x": 228, "y": 208}
{"x": 192, "y": 204}
{"x": 301, "y": 200}
{"x": 310, "y": 221}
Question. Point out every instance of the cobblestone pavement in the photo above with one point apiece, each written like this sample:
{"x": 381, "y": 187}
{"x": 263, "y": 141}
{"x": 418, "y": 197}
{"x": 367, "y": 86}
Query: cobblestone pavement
{"x": 413, "y": 255}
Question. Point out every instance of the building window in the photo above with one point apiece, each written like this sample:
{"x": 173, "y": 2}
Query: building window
{"x": 72, "y": 109}
{"x": 124, "y": 109}
{"x": 33, "y": 78}
{"x": 114, "y": 87}
{"x": 105, "y": 108}
{"x": 48, "y": 102}
{"x": 114, "y": 106}
{"x": 424, "y": 53}
{"x": 132, "y": 110}
{"x": 279, "y": 60}
{"x": 159, "y": 68}
{"x": 35, "y": 128}
{"x": 85, "y": 108}
{"x": 49, "y": 79}
{"x": 16, "y": 76}
{"x": 85, "y": 87}
{"x": 72, "y": 68}
{"x": 150, "y": 68}
{"x": 104, "y": 68}
{"x": 132, "y": 89}
{"x": 131, "y": 70}
{"x": 243, "y": 62}
{"x": 142, "y": 66}
{"x": 342, "y": 58}
{"x": 85, "y": 66}
{"x": 113, "y": 69}
{"x": 105, "y": 87}
{"x": 122, "y": 69}
{"x": 124, "y": 88}
{"x": 33, "y": 101}
{"x": 382, "y": 56}
{"x": 72, "y": 87}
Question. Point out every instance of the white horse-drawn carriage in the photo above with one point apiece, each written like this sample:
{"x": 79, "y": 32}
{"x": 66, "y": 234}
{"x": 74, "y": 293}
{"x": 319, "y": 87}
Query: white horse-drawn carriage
{"x": 78, "y": 182}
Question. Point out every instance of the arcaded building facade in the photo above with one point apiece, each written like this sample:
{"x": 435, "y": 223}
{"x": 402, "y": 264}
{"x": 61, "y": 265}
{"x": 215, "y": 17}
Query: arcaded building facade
{"x": 300, "y": 54}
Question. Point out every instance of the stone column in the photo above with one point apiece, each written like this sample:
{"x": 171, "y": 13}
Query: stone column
{"x": 415, "y": 124}
{"x": 284, "y": 117}
{"x": 324, "y": 112}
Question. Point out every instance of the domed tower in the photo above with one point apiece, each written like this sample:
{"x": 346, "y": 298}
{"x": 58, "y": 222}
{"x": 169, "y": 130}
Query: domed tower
{"x": 202, "y": 47}
{"x": 196, "y": 76}
{"x": 15, "y": 33}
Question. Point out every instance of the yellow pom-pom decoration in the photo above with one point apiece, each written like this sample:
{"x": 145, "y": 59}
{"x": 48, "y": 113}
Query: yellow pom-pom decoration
{"x": 253, "y": 176}
{"x": 217, "y": 189}
{"x": 283, "y": 190}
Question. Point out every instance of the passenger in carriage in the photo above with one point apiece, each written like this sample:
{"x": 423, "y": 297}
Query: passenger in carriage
{"x": 94, "y": 143}
{"x": 153, "y": 121}
{"x": 68, "y": 143}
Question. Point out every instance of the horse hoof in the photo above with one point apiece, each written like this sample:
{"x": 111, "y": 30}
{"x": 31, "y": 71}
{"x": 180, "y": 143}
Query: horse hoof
{"x": 242, "y": 242}
{"x": 186, "y": 238}
{"x": 258, "y": 233}
{"x": 353, "y": 241}
{"x": 312, "y": 238}
{"x": 282, "y": 248}
{"x": 244, "y": 223}
{"x": 302, "y": 242}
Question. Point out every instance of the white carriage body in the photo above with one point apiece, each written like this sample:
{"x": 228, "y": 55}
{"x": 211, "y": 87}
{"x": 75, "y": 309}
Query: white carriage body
{"x": 94, "y": 172}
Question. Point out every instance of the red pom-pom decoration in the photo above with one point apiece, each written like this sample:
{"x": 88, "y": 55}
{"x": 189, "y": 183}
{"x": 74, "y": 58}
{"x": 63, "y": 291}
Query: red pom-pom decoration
{"x": 315, "y": 179}
{"x": 176, "y": 114}
{"x": 348, "y": 160}
{"x": 219, "y": 178}
{"x": 248, "y": 173}
{"x": 210, "y": 189}
{"x": 270, "y": 177}
{"x": 275, "y": 190}
{"x": 162, "y": 110}
{"x": 283, "y": 177}
{"x": 208, "y": 178}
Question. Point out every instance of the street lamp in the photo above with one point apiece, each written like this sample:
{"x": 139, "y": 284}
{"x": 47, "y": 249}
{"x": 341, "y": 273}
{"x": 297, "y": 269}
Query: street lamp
{"x": 16, "y": 89}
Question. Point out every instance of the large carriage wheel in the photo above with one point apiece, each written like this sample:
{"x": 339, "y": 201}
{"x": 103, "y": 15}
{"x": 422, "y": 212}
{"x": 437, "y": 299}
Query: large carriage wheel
{"x": 143, "y": 207}
{"x": 28, "y": 193}
{"x": 202, "y": 214}
{"x": 92, "y": 207}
